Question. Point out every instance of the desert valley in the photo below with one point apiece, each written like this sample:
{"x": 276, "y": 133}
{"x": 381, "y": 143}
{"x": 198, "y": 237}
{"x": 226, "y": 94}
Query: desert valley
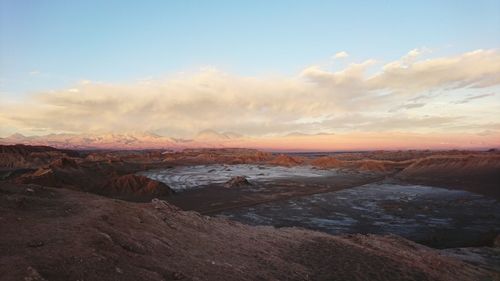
{"x": 252, "y": 140}
{"x": 189, "y": 214}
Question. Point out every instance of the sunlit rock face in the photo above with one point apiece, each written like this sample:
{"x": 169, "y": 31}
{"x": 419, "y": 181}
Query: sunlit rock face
{"x": 189, "y": 177}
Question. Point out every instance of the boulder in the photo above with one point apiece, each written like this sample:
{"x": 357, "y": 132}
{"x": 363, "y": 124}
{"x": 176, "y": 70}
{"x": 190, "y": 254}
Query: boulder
{"x": 237, "y": 181}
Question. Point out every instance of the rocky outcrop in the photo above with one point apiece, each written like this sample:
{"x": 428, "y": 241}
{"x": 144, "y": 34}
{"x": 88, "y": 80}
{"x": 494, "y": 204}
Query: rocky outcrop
{"x": 24, "y": 156}
{"x": 64, "y": 173}
{"x": 478, "y": 172}
{"x": 134, "y": 187}
{"x": 42, "y": 176}
{"x": 64, "y": 163}
{"x": 95, "y": 156}
{"x": 237, "y": 181}
{"x": 218, "y": 156}
{"x": 440, "y": 165}
{"x": 101, "y": 181}
{"x": 395, "y": 155}
{"x": 364, "y": 165}
{"x": 380, "y": 166}
{"x": 286, "y": 160}
{"x": 327, "y": 162}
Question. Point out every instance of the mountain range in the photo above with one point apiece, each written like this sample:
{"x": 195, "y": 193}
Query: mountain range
{"x": 206, "y": 138}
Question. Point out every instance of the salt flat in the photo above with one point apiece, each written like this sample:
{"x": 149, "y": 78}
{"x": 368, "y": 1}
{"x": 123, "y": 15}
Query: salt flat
{"x": 190, "y": 177}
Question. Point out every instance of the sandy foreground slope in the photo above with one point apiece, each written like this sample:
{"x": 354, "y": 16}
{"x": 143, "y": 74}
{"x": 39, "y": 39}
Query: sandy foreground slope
{"x": 58, "y": 234}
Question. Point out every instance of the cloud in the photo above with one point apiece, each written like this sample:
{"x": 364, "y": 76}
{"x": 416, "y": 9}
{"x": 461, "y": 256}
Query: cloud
{"x": 362, "y": 122}
{"x": 316, "y": 100}
{"x": 477, "y": 69}
{"x": 341, "y": 55}
{"x": 471, "y": 98}
{"x": 487, "y": 133}
{"x": 407, "y": 106}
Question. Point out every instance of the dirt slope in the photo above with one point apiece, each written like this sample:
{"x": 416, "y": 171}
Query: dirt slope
{"x": 59, "y": 234}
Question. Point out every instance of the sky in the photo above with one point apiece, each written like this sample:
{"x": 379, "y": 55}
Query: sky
{"x": 259, "y": 69}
